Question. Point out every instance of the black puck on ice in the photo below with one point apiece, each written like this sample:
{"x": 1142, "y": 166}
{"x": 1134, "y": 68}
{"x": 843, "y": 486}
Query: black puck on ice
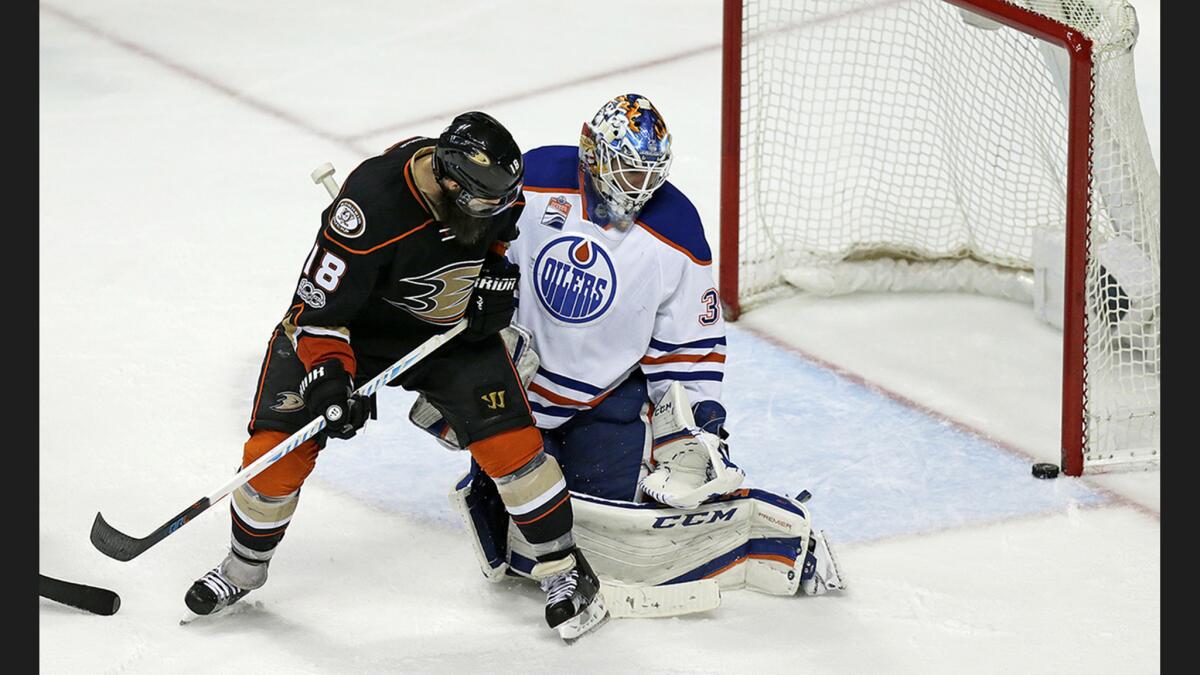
{"x": 1045, "y": 470}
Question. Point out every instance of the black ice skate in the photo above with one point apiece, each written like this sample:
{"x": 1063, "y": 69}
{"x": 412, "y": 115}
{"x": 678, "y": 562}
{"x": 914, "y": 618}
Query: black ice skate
{"x": 573, "y": 602}
{"x": 224, "y": 585}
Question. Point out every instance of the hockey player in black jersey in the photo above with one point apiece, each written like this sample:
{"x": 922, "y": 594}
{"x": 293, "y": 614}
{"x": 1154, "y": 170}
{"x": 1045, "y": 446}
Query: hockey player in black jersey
{"x": 413, "y": 243}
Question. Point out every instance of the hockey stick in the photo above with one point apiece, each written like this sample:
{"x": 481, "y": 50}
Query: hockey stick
{"x": 644, "y": 602}
{"x": 116, "y": 544}
{"x": 323, "y": 175}
{"x": 90, "y": 598}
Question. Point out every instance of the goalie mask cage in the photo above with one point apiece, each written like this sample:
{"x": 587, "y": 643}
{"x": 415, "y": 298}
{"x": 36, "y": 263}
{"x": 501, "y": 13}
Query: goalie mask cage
{"x": 929, "y": 145}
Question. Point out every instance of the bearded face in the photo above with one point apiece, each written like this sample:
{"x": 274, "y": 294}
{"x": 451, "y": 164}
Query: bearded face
{"x": 467, "y": 230}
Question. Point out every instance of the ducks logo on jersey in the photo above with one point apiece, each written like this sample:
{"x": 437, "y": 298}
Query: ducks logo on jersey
{"x": 574, "y": 278}
{"x": 443, "y": 293}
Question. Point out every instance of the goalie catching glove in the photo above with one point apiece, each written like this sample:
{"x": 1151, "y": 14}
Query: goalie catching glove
{"x": 328, "y": 391}
{"x": 691, "y": 465}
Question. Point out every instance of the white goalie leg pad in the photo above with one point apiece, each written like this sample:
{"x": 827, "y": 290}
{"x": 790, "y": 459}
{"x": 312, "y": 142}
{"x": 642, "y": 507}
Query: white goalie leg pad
{"x": 691, "y": 466}
{"x": 519, "y": 342}
{"x": 754, "y": 540}
{"x": 487, "y": 544}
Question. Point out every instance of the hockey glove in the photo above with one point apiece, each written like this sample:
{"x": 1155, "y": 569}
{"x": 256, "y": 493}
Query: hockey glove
{"x": 328, "y": 391}
{"x": 491, "y": 307}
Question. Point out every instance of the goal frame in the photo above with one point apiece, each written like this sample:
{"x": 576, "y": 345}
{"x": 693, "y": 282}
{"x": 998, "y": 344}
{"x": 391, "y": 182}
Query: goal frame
{"x": 1079, "y": 48}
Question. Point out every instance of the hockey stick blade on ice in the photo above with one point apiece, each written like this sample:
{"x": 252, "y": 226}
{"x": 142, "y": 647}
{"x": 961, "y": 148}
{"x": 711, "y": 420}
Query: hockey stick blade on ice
{"x": 116, "y": 544}
{"x": 89, "y": 598}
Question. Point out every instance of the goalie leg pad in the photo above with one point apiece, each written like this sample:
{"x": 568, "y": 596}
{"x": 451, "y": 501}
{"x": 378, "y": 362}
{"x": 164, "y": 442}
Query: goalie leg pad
{"x": 750, "y": 539}
{"x": 476, "y": 499}
{"x": 754, "y": 540}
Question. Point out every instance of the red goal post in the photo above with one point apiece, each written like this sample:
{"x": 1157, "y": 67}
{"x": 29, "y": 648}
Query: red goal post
{"x": 864, "y": 139}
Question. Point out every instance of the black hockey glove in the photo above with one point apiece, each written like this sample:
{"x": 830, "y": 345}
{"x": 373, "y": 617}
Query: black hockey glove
{"x": 491, "y": 306}
{"x": 328, "y": 390}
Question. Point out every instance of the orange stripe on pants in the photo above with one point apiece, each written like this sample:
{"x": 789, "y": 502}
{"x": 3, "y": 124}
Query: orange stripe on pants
{"x": 507, "y": 451}
{"x": 287, "y": 474}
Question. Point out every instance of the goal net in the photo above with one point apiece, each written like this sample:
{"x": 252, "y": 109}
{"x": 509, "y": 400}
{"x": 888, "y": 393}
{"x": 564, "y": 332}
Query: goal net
{"x": 940, "y": 145}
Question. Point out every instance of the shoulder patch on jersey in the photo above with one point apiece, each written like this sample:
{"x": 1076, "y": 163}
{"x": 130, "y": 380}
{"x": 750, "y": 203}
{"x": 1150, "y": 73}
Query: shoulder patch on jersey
{"x": 557, "y": 210}
{"x": 348, "y": 219}
{"x": 311, "y": 295}
{"x": 671, "y": 218}
{"x": 552, "y": 167}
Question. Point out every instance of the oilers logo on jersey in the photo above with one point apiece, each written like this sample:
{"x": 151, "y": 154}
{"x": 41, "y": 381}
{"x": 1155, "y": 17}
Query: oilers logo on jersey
{"x": 574, "y": 278}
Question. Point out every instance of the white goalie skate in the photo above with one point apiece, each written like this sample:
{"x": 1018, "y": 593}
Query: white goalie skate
{"x": 821, "y": 572}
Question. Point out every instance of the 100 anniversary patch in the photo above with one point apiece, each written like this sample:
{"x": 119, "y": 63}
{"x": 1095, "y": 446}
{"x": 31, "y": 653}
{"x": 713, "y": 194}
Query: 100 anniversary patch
{"x": 348, "y": 219}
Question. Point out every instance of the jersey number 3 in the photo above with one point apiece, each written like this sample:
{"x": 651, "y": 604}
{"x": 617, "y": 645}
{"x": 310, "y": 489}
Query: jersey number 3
{"x": 712, "y": 307}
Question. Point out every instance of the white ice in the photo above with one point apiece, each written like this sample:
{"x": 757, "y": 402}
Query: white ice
{"x": 176, "y": 139}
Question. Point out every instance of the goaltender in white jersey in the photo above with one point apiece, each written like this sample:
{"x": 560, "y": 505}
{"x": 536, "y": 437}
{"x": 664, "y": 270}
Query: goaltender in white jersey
{"x": 619, "y": 337}
{"x": 613, "y": 300}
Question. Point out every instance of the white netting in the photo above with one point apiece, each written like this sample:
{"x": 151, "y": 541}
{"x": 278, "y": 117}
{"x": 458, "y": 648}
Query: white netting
{"x": 883, "y": 129}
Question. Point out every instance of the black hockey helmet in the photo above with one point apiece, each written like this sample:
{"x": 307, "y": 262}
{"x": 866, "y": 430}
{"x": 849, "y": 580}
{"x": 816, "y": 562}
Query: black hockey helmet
{"x": 479, "y": 154}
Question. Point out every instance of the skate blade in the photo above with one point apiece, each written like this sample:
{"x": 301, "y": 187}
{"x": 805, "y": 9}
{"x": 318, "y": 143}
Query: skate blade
{"x": 591, "y": 618}
{"x": 229, "y": 610}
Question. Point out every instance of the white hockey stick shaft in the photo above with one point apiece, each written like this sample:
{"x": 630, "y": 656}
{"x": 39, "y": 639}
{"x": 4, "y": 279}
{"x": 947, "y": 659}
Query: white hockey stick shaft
{"x": 116, "y": 544}
{"x": 314, "y": 427}
{"x": 324, "y": 175}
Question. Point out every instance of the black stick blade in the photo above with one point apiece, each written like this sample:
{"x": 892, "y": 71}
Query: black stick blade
{"x": 89, "y": 598}
{"x": 116, "y": 544}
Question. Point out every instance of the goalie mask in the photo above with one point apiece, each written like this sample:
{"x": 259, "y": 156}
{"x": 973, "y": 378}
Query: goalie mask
{"x": 625, "y": 154}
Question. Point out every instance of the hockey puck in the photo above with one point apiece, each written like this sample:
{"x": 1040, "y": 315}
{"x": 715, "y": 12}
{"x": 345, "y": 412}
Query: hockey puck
{"x": 1045, "y": 470}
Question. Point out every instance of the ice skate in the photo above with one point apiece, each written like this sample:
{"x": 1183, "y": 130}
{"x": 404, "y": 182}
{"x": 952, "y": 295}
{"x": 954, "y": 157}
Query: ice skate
{"x": 821, "y": 573}
{"x": 224, "y": 585}
{"x": 574, "y": 605}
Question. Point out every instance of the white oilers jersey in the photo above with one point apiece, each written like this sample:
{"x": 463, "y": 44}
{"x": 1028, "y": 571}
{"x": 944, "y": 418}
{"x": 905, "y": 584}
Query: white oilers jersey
{"x": 602, "y": 303}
